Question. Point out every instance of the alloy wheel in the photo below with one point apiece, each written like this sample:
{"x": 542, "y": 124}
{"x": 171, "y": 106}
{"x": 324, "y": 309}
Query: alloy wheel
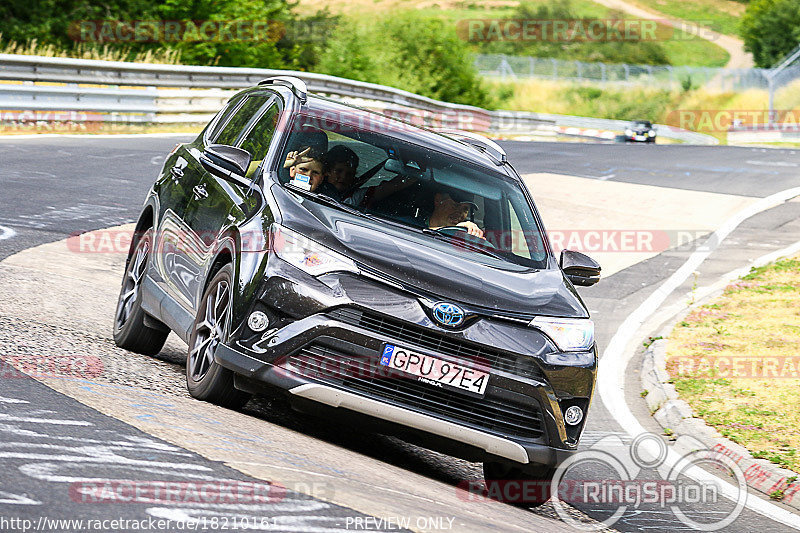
{"x": 210, "y": 331}
{"x": 133, "y": 281}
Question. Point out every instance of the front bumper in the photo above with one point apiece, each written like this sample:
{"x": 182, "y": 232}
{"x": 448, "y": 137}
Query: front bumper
{"x": 640, "y": 138}
{"x": 330, "y": 357}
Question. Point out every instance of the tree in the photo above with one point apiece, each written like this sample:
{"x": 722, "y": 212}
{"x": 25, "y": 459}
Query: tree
{"x": 770, "y": 30}
{"x": 282, "y": 39}
{"x": 409, "y": 51}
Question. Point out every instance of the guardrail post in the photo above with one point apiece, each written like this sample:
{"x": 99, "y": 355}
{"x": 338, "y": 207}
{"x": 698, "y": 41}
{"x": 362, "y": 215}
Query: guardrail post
{"x": 505, "y": 69}
{"x": 771, "y": 114}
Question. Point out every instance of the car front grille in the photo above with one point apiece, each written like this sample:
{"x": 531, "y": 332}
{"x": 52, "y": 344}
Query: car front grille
{"x": 437, "y": 342}
{"x": 364, "y": 376}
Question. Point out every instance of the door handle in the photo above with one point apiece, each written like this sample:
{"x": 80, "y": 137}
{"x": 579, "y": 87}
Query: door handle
{"x": 177, "y": 173}
{"x": 200, "y": 192}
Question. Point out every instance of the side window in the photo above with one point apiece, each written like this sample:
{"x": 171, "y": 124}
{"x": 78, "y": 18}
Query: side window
{"x": 230, "y": 131}
{"x": 525, "y": 239}
{"x": 256, "y": 141}
{"x": 222, "y": 116}
{"x": 519, "y": 244}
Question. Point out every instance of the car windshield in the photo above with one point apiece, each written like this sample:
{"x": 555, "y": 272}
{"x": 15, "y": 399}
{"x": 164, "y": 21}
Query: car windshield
{"x": 640, "y": 124}
{"x": 425, "y": 191}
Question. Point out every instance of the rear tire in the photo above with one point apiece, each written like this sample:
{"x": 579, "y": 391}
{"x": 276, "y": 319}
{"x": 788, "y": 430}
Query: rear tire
{"x": 498, "y": 475}
{"x": 130, "y": 331}
{"x": 205, "y": 379}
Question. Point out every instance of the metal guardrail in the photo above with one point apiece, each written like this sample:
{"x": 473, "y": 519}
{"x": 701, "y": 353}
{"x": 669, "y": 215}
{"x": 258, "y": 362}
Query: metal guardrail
{"x": 663, "y": 76}
{"x": 186, "y": 93}
{"x": 663, "y": 130}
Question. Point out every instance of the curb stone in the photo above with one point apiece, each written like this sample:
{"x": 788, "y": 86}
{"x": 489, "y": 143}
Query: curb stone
{"x": 675, "y": 414}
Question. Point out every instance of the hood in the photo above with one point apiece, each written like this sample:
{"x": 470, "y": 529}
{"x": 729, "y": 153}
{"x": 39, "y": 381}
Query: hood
{"x": 432, "y": 266}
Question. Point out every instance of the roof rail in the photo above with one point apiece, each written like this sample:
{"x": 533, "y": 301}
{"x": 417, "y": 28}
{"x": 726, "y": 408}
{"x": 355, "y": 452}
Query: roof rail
{"x": 484, "y": 144}
{"x": 297, "y": 85}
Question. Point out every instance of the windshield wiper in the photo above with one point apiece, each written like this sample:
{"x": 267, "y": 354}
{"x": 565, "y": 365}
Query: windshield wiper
{"x": 462, "y": 242}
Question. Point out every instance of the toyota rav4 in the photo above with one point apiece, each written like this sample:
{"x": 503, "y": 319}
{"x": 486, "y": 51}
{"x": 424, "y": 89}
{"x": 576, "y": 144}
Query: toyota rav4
{"x": 369, "y": 269}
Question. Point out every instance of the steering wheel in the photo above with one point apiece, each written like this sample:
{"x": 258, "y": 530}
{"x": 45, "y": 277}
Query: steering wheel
{"x": 448, "y": 229}
{"x": 467, "y": 236}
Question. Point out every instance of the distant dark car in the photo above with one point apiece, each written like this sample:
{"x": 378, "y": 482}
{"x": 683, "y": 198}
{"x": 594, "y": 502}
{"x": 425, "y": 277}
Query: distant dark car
{"x": 640, "y": 131}
{"x": 423, "y": 299}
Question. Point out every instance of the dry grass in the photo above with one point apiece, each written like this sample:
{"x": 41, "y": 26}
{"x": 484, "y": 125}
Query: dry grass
{"x": 162, "y": 56}
{"x": 736, "y": 362}
{"x": 660, "y": 105}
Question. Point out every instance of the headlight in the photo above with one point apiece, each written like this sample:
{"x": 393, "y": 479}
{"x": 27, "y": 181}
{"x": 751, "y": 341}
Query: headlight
{"x": 569, "y": 334}
{"x": 629, "y": 132}
{"x": 652, "y": 133}
{"x": 307, "y": 255}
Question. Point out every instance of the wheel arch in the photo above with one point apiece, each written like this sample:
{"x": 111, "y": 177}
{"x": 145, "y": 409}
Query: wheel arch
{"x": 146, "y": 221}
{"x": 248, "y": 267}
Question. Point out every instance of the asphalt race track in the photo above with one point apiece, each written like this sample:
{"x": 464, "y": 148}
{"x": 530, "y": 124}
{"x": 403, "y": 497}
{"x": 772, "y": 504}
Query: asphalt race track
{"x": 135, "y": 422}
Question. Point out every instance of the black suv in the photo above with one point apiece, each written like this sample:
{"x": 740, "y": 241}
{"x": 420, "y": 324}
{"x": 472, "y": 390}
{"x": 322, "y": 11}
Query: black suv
{"x": 370, "y": 269}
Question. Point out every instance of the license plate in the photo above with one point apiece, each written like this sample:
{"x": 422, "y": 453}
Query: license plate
{"x": 434, "y": 371}
{"x": 641, "y": 137}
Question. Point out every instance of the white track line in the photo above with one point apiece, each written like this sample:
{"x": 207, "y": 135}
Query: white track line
{"x": 616, "y": 356}
{"x": 6, "y": 233}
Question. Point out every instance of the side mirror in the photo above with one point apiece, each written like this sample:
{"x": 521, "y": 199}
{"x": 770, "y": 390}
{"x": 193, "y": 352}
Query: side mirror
{"x": 227, "y": 162}
{"x": 579, "y": 268}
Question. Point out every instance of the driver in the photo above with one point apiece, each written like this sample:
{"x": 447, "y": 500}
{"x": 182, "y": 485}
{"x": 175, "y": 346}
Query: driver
{"x": 449, "y": 212}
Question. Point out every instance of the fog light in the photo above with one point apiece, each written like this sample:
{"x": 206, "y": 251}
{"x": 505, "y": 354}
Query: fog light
{"x": 258, "y": 321}
{"x": 573, "y": 415}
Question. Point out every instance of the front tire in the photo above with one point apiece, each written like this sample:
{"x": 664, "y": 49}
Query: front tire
{"x": 205, "y": 379}
{"x": 130, "y": 331}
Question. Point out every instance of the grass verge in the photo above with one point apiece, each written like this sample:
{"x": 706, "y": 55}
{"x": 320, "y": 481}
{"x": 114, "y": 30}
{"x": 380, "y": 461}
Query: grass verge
{"x": 719, "y": 15}
{"x": 735, "y": 361}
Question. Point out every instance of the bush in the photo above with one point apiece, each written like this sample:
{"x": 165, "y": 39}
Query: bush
{"x": 408, "y": 51}
{"x": 771, "y": 29}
